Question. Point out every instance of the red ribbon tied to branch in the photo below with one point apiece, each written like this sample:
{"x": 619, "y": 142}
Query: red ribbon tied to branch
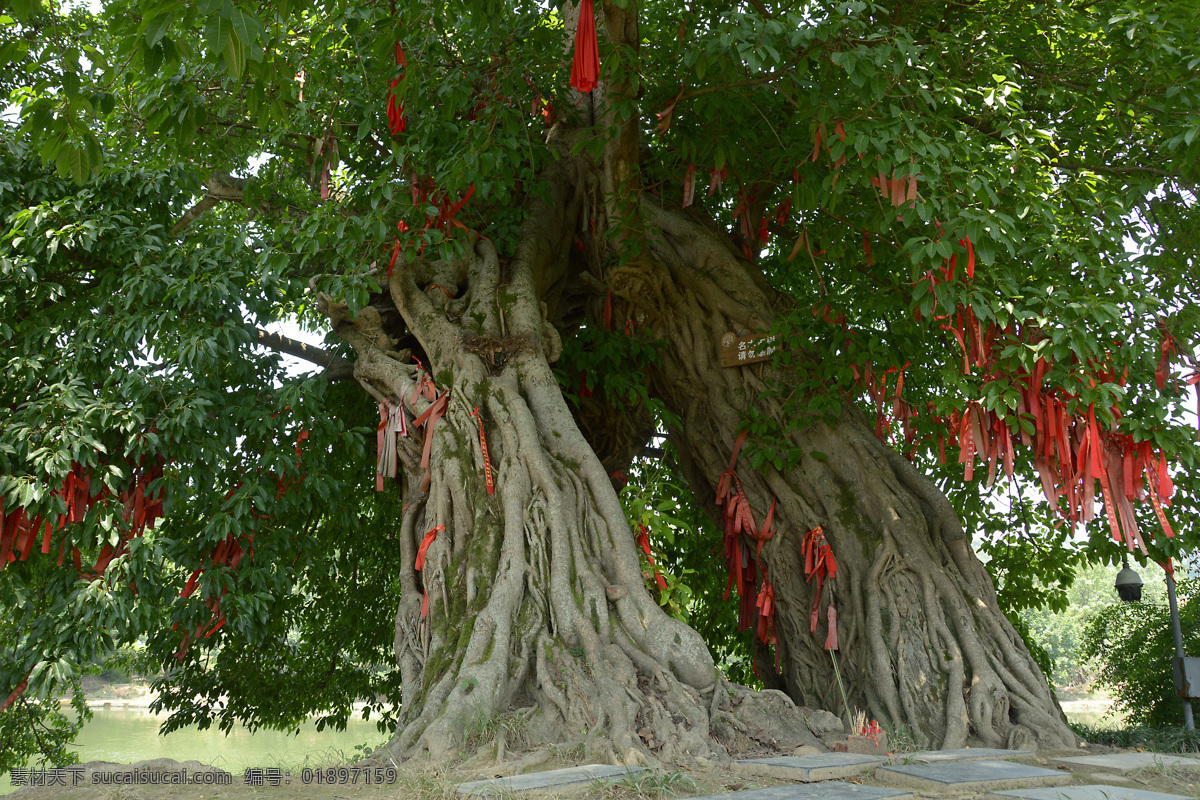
{"x": 395, "y": 106}
{"x": 644, "y": 540}
{"x": 487, "y": 460}
{"x": 819, "y": 564}
{"x": 766, "y": 612}
{"x": 689, "y": 185}
{"x": 430, "y": 535}
{"x": 21, "y": 687}
{"x": 392, "y": 421}
{"x": 429, "y": 417}
{"x": 585, "y": 69}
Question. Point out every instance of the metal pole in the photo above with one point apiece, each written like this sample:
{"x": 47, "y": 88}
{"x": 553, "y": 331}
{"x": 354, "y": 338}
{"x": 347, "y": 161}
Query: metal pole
{"x": 1188, "y": 722}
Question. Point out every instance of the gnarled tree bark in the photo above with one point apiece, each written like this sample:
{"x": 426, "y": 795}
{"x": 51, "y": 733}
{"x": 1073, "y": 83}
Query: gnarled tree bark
{"x": 537, "y": 612}
{"x": 923, "y": 643}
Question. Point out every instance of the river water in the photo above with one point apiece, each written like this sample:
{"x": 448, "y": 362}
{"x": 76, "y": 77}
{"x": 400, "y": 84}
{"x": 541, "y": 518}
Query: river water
{"x": 129, "y": 734}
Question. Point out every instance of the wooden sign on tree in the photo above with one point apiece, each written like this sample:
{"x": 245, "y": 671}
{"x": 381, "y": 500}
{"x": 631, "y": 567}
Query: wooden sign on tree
{"x": 737, "y": 351}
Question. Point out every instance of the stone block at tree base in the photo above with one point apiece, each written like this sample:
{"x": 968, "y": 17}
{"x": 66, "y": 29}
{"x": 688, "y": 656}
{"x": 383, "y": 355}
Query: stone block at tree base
{"x": 549, "y": 779}
{"x": 868, "y": 745}
{"x": 1092, "y": 792}
{"x": 1126, "y": 762}
{"x": 830, "y": 790}
{"x": 967, "y": 754}
{"x": 971, "y": 775}
{"x": 820, "y": 767}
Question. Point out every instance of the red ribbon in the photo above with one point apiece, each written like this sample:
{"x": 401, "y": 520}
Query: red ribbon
{"x": 766, "y": 612}
{"x": 430, "y": 535}
{"x": 644, "y": 540}
{"x": 831, "y": 640}
{"x": 395, "y": 106}
{"x": 819, "y": 564}
{"x": 21, "y": 687}
{"x": 487, "y": 461}
{"x": 585, "y": 69}
{"x": 429, "y": 418}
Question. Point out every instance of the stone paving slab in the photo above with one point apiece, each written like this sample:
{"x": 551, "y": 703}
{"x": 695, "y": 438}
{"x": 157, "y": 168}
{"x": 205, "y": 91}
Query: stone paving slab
{"x": 1092, "y": 792}
{"x": 553, "y": 778}
{"x": 1126, "y": 762}
{"x": 967, "y": 754}
{"x": 816, "y": 767}
{"x": 830, "y": 790}
{"x": 971, "y": 775}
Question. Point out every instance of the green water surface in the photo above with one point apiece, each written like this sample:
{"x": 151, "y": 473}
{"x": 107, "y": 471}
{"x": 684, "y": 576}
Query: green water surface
{"x": 127, "y": 735}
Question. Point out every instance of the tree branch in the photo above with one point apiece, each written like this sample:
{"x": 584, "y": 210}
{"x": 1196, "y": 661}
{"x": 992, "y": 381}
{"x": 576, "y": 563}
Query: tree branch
{"x": 220, "y": 187}
{"x": 307, "y": 352}
{"x": 1074, "y": 165}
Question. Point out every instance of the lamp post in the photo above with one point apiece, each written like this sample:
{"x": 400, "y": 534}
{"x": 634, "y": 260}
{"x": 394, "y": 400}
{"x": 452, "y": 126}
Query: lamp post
{"x": 1129, "y": 583}
{"x": 1129, "y": 588}
{"x": 1180, "y": 672}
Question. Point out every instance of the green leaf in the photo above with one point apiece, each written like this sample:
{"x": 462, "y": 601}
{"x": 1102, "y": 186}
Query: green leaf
{"x": 158, "y": 25}
{"x": 74, "y": 163}
{"x": 23, "y": 9}
{"x": 235, "y": 56}
{"x": 246, "y": 25}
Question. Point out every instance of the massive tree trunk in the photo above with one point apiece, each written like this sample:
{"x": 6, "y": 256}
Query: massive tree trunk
{"x": 538, "y": 620}
{"x": 922, "y": 642}
{"x": 531, "y": 613}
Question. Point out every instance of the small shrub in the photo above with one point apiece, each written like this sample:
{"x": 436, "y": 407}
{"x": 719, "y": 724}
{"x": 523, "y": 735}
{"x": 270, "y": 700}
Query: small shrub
{"x": 1160, "y": 740}
{"x": 1133, "y": 647}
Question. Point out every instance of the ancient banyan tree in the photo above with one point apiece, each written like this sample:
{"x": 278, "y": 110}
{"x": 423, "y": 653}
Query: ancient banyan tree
{"x": 857, "y": 276}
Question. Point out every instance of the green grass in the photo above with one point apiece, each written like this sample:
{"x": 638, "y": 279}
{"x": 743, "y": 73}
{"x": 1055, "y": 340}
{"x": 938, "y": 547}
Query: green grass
{"x": 1159, "y": 740}
{"x": 645, "y": 785}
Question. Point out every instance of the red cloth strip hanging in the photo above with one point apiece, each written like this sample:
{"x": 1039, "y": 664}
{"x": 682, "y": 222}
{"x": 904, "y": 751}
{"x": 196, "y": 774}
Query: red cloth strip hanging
{"x": 430, "y": 535}
{"x": 487, "y": 460}
{"x": 766, "y": 612}
{"x": 819, "y": 565}
{"x": 644, "y": 540}
{"x": 724, "y": 485}
{"x": 585, "y": 69}
{"x": 429, "y": 418}
{"x": 689, "y": 185}
{"x": 395, "y": 107}
{"x": 763, "y": 535}
{"x": 21, "y": 687}
{"x": 831, "y": 640}
{"x": 966, "y": 240}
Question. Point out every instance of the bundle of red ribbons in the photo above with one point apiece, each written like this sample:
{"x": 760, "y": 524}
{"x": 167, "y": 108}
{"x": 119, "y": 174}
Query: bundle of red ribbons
{"x": 819, "y": 566}
{"x": 18, "y": 530}
{"x": 1078, "y": 458}
{"x": 738, "y": 519}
